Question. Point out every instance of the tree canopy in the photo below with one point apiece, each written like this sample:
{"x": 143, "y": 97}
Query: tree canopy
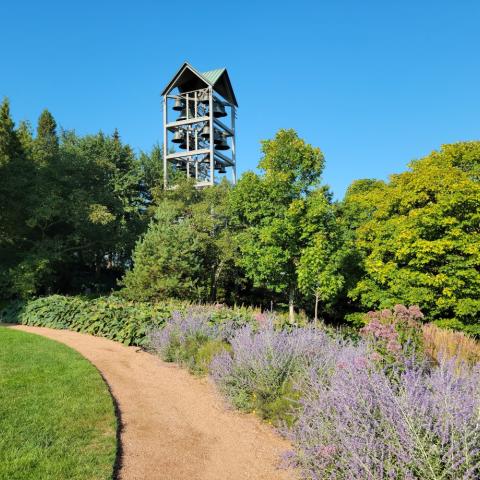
{"x": 86, "y": 214}
{"x": 73, "y": 208}
{"x": 420, "y": 239}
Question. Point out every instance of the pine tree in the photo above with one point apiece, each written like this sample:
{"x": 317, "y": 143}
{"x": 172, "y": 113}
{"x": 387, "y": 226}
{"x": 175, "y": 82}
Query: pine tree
{"x": 16, "y": 174}
{"x": 46, "y": 142}
{"x": 10, "y": 148}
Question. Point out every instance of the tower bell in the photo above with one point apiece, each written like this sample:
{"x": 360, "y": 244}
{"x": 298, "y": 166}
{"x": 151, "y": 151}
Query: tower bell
{"x": 200, "y": 141}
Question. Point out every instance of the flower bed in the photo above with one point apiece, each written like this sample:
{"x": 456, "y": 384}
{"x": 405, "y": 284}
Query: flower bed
{"x": 375, "y": 408}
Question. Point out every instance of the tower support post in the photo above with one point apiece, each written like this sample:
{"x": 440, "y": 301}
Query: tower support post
{"x": 165, "y": 142}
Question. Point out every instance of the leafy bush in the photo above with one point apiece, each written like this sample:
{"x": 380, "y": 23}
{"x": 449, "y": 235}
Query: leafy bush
{"x": 110, "y": 317}
{"x": 195, "y": 337}
{"x": 207, "y": 352}
{"x": 9, "y": 313}
{"x": 259, "y": 373}
{"x": 356, "y": 319}
{"x": 113, "y": 317}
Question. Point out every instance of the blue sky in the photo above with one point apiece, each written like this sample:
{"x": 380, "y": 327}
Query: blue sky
{"x": 375, "y": 84}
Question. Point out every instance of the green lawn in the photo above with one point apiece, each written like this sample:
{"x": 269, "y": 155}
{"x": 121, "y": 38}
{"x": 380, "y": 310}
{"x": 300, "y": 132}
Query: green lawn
{"x": 57, "y": 420}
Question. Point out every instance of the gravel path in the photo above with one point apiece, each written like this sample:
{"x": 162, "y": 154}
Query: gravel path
{"x": 175, "y": 426}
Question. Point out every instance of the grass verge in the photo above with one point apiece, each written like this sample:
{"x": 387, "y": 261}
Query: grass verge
{"x": 57, "y": 418}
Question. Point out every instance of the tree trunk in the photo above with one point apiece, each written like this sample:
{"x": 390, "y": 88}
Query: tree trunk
{"x": 213, "y": 285}
{"x": 291, "y": 305}
{"x": 316, "y": 309}
{"x": 98, "y": 267}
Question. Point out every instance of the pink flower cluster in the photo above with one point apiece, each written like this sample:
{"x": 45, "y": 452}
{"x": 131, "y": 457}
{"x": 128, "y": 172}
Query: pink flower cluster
{"x": 383, "y": 325}
{"x": 261, "y": 319}
{"x": 410, "y": 315}
{"x": 384, "y": 332}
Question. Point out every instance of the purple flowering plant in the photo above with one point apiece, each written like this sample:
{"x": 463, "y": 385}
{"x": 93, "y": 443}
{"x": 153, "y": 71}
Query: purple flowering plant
{"x": 260, "y": 372}
{"x": 356, "y": 423}
{"x": 192, "y": 338}
{"x": 368, "y": 408}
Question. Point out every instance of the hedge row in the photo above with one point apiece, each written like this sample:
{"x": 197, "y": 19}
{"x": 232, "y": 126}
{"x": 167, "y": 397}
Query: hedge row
{"x": 110, "y": 317}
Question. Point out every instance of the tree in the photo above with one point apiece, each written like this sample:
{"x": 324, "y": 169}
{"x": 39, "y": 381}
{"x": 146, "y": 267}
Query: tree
{"x": 16, "y": 173}
{"x": 269, "y": 210}
{"x": 106, "y": 208}
{"x": 421, "y": 245}
{"x": 46, "y": 141}
{"x": 320, "y": 265}
{"x": 10, "y": 147}
{"x": 168, "y": 261}
{"x": 72, "y": 208}
{"x": 187, "y": 249}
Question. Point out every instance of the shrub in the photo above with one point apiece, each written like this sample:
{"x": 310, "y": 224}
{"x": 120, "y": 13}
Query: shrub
{"x": 194, "y": 337}
{"x": 111, "y": 317}
{"x": 450, "y": 344}
{"x": 207, "y": 352}
{"x": 10, "y": 312}
{"x": 357, "y": 423}
{"x": 395, "y": 334}
{"x": 356, "y": 319}
{"x": 259, "y": 373}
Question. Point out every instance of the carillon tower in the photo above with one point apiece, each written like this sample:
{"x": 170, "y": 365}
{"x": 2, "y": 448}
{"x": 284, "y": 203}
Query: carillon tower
{"x": 199, "y": 125}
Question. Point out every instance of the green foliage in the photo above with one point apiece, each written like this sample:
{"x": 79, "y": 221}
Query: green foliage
{"x": 113, "y": 317}
{"x": 420, "y": 240}
{"x": 17, "y": 174}
{"x": 276, "y": 405}
{"x": 80, "y": 213}
{"x": 73, "y": 208}
{"x": 10, "y": 311}
{"x": 56, "y": 415}
{"x": 194, "y": 352}
{"x": 472, "y": 330}
{"x": 110, "y": 317}
{"x": 205, "y": 354}
{"x": 168, "y": 260}
{"x": 320, "y": 269}
{"x": 270, "y": 209}
{"x": 280, "y": 408}
{"x": 187, "y": 250}
{"x": 356, "y": 319}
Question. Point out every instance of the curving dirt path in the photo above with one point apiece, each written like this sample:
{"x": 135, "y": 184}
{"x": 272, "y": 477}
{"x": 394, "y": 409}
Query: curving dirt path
{"x": 175, "y": 426}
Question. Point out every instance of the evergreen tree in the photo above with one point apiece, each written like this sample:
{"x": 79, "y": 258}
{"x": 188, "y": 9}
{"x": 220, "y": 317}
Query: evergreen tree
{"x": 46, "y": 141}
{"x": 17, "y": 173}
{"x": 10, "y": 147}
{"x": 187, "y": 251}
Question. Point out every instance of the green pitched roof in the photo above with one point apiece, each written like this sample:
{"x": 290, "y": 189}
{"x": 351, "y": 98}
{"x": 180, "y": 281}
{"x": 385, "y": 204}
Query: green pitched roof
{"x": 212, "y": 76}
{"x": 189, "y": 78}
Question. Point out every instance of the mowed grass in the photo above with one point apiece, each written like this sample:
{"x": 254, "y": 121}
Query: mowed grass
{"x": 57, "y": 419}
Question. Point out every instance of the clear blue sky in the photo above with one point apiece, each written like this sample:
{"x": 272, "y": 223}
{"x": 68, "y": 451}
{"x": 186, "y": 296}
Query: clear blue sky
{"x": 373, "y": 83}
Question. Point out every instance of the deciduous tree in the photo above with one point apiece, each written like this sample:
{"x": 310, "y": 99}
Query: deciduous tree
{"x": 269, "y": 209}
{"x": 421, "y": 245}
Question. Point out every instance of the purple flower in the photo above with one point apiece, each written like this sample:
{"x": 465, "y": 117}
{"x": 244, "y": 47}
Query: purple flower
{"x": 422, "y": 425}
